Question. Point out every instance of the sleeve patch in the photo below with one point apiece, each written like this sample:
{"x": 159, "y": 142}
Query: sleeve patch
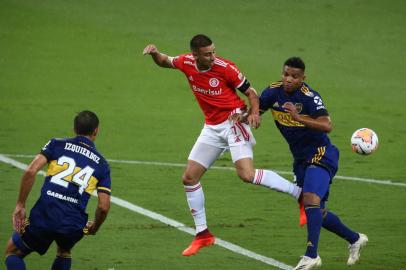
{"x": 318, "y": 100}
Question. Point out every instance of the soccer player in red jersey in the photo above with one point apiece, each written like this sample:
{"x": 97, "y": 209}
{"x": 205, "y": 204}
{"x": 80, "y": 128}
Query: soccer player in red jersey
{"x": 214, "y": 81}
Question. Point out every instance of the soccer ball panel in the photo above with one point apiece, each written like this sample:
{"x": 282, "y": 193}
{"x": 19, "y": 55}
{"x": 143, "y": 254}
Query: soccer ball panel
{"x": 364, "y": 141}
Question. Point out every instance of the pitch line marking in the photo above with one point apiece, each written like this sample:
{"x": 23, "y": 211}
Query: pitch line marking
{"x": 169, "y": 164}
{"x": 171, "y": 222}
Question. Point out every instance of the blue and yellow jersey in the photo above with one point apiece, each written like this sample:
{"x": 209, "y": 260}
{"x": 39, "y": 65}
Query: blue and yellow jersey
{"x": 304, "y": 143}
{"x": 75, "y": 170}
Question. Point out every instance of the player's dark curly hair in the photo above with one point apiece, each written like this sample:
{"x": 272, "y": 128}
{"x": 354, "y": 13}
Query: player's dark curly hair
{"x": 85, "y": 123}
{"x": 199, "y": 41}
{"x": 295, "y": 62}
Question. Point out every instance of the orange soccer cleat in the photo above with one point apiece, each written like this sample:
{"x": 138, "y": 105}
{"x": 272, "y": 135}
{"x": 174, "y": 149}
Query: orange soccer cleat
{"x": 302, "y": 212}
{"x": 202, "y": 239}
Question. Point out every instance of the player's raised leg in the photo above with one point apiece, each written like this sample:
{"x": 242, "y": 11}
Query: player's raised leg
{"x": 242, "y": 156}
{"x": 270, "y": 179}
{"x": 276, "y": 182}
{"x": 201, "y": 158}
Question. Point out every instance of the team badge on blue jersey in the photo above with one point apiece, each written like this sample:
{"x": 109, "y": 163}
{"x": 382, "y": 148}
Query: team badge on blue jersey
{"x": 299, "y": 107}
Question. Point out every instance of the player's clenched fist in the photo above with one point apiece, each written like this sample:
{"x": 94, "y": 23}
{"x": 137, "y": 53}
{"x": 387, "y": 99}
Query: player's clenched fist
{"x": 150, "y": 49}
{"x": 254, "y": 120}
{"x": 291, "y": 109}
{"x": 89, "y": 229}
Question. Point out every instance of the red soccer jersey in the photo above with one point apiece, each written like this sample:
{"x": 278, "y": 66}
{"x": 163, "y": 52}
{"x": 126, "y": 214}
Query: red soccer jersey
{"x": 214, "y": 89}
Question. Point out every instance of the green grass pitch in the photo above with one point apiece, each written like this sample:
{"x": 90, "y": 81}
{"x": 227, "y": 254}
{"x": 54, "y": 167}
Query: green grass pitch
{"x": 60, "y": 57}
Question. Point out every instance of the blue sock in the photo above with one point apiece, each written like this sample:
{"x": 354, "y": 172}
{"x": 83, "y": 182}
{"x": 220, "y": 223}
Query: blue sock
{"x": 61, "y": 263}
{"x": 314, "y": 221}
{"x": 15, "y": 262}
{"x": 333, "y": 223}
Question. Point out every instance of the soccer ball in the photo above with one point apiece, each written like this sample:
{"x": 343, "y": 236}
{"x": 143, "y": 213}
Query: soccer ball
{"x": 364, "y": 141}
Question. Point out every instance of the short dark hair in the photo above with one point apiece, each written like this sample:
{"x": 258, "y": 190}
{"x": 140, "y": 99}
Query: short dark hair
{"x": 85, "y": 123}
{"x": 200, "y": 41}
{"x": 295, "y": 62}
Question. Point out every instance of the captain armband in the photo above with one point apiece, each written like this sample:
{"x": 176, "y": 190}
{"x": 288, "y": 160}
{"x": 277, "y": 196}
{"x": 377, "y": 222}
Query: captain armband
{"x": 244, "y": 86}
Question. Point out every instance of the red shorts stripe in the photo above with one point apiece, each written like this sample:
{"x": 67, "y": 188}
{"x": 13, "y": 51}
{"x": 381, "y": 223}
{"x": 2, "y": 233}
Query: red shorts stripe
{"x": 244, "y": 132}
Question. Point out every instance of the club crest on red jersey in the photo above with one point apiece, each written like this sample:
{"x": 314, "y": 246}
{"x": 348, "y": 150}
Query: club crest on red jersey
{"x": 214, "y": 82}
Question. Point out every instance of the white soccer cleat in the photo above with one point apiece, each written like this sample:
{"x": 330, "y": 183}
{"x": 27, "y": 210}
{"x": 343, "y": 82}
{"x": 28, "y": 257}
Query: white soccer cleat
{"x": 355, "y": 249}
{"x": 307, "y": 263}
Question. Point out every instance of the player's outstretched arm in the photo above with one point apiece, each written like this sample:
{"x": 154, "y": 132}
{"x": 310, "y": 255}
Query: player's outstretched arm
{"x": 253, "y": 119}
{"x": 160, "y": 59}
{"x": 27, "y": 181}
{"x": 102, "y": 210}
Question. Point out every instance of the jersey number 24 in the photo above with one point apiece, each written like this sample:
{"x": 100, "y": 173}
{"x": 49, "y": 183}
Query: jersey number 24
{"x": 80, "y": 178}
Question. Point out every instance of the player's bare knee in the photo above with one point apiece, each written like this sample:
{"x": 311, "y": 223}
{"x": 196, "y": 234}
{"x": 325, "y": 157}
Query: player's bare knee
{"x": 310, "y": 198}
{"x": 245, "y": 169}
{"x": 188, "y": 180}
{"x": 13, "y": 252}
{"x": 11, "y": 249}
{"x": 7, "y": 252}
{"x": 63, "y": 253}
{"x": 246, "y": 176}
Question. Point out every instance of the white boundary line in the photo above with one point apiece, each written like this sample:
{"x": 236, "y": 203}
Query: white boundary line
{"x": 180, "y": 226}
{"x": 169, "y": 164}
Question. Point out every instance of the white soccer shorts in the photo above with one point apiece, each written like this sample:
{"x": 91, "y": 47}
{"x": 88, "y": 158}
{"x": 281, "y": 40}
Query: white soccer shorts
{"x": 216, "y": 139}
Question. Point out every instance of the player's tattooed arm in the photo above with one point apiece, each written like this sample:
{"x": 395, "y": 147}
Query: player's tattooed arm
{"x": 160, "y": 59}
